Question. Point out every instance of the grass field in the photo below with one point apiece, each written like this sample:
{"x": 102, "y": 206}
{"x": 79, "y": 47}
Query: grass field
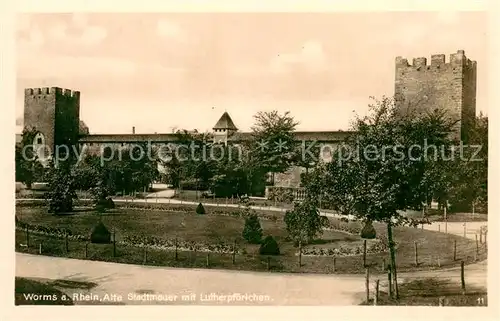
{"x": 30, "y": 292}
{"x": 211, "y": 228}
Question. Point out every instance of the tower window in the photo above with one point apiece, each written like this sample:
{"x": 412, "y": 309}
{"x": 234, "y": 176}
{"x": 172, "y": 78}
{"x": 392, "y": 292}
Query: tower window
{"x": 39, "y": 140}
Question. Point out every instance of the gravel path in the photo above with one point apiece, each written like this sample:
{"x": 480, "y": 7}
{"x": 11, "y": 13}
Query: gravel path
{"x": 129, "y": 281}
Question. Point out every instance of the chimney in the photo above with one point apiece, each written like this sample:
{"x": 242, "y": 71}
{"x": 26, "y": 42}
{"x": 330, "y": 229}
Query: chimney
{"x": 133, "y": 129}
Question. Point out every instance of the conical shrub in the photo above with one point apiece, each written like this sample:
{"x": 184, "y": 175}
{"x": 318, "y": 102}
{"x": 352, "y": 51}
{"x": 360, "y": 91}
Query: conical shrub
{"x": 200, "y": 209}
{"x": 269, "y": 246}
{"x": 252, "y": 232}
{"x": 100, "y": 234}
{"x": 368, "y": 231}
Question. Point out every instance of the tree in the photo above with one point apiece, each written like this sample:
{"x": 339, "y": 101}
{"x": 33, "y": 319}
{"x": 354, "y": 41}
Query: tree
{"x": 131, "y": 169}
{"x": 307, "y": 156}
{"x": 303, "y": 222}
{"x": 470, "y": 170}
{"x": 273, "y": 141}
{"x": 252, "y": 232}
{"x": 62, "y": 187}
{"x": 186, "y": 159}
{"x": 174, "y": 170}
{"x": 28, "y": 166}
{"x": 383, "y": 169}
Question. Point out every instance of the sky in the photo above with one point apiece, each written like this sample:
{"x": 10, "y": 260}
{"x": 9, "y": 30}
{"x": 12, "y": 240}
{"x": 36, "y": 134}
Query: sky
{"x": 160, "y": 72}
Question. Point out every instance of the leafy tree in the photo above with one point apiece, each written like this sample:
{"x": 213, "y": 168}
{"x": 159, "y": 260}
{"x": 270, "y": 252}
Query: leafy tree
{"x": 62, "y": 187}
{"x": 252, "y": 232}
{"x": 173, "y": 170}
{"x": 307, "y": 156}
{"x": 383, "y": 169}
{"x": 273, "y": 141}
{"x": 88, "y": 172}
{"x": 130, "y": 170}
{"x": 28, "y": 166}
{"x": 230, "y": 174}
{"x": 303, "y": 222}
{"x": 187, "y": 159}
{"x": 470, "y": 187}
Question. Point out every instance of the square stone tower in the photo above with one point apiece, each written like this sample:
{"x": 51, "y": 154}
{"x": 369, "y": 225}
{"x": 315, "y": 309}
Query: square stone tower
{"x": 55, "y": 114}
{"x": 441, "y": 85}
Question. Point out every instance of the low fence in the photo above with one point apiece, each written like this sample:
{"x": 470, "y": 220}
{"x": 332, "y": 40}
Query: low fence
{"x": 182, "y": 253}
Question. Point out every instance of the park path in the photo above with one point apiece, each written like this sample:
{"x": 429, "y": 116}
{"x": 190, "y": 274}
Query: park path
{"x": 281, "y": 288}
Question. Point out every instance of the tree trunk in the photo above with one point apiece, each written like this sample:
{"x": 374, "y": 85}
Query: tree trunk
{"x": 393, "y": 258}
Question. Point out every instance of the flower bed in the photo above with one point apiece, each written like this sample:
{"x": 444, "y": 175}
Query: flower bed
{"x": 377, "y": 246}
{"x": 50, "y": 231}
{"x": 44, "y": 203}
{"x": 171, "y": 244}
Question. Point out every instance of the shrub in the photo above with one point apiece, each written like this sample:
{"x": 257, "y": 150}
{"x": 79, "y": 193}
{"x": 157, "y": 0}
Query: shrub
{"x": 104, "y": 204}
{"x": 325, "y": 222}
{"x": 110, "y": 203}
{"x": 368, "y": 231}
{"x": 252, "y": 232}
{"x": 269, "y": 246}
{"x": 200, "y": 209}
{"x": 100, "y": 234}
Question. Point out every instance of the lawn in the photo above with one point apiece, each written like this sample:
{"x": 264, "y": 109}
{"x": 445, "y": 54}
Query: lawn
{"x": 212, "y": 228}
{"x": 30, "y": 292}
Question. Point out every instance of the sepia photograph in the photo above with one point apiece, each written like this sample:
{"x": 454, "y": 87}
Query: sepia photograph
{"x": 252, "y": 159}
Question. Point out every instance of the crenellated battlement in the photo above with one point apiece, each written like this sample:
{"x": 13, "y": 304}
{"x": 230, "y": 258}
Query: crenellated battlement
{"x": 439, "y": 83}
{"x": 51, "y": 91}
{"x": 437, "y": 60}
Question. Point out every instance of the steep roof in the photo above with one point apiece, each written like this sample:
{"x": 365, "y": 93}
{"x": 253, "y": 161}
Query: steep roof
{"x": 225, "y": 122}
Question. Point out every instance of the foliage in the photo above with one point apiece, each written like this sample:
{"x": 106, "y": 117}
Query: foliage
{"x": 390, "y": 176}
{"x": 101, "y": 197}
{"x": 303, "y": 222}
{"x": 189, "y": 162}
{"x": 124, "y": 170}
{"x": 100, "y": 234}
{"x": 230, "y": 176}
{"x": 28, "y": 166}
{"x": 269, "y": 246}
{"x": 469, "y": 190}
{"x": 62, "y": 187}
{"x": 252, "y": 232}
{"x": 281, "y": 194}
{"x": 273, "y": 143}
{"x": 368, "y": 231}
{"x": 384, "y": 169}
{"x": 200, "y": 209}
{"x": 307, "y": 155}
